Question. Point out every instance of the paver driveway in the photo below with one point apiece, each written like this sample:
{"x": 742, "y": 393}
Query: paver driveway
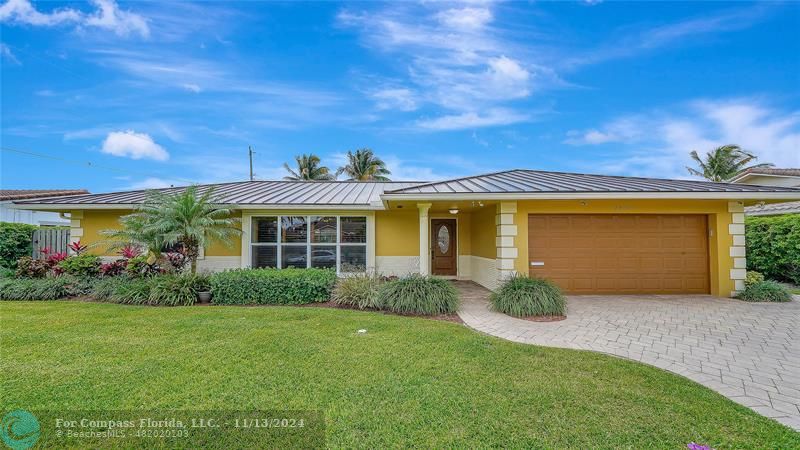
{"x": 745, "y": 351}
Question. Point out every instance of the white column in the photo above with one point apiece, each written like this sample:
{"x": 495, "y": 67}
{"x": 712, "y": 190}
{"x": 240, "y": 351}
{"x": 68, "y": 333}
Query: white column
{"x": 506, "y": 232}
{"x": 737, "y": 250}
{"x": 75, "y": 228}
{"x": 424, "y": 237}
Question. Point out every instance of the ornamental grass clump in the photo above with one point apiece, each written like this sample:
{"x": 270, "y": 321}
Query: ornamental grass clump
{"x": 765, "y": 291}
{"x": 417, "y": 294}
{"x": 358, "y": 291}
{"x": 523, "y": 296}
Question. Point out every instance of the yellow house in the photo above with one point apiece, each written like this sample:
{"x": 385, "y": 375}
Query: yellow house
{"x": 591, "y": 234}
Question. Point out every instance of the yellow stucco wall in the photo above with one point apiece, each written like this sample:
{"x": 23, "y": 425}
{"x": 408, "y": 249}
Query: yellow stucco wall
{"x": 94, "y": 221}
{"x": 397, "y": 233}
{"x": 718, "y": 219}
{"x": 483, "y": 232}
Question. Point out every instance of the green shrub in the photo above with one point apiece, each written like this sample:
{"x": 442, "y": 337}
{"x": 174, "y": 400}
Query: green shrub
{"x": 419, "y": 294}
{"x": 5, "y": 272}
{"x": 773, "y": 246}
{"x": 132, "y": 291}
{"x": 272, "y": 286}
{"x": 85, "y": 265}
{"x": 522, "y": 296}
{"x": 51, "y": 288}
{"x": 765, "y": 291}
{"x": 28, "y": 267}
{"x": 15, "y": 242}
{"x": 753, "y": 277}
{"x": 105, "y": 287}
{"x": 358, "y": 291}
{"x": 175, "y": 290}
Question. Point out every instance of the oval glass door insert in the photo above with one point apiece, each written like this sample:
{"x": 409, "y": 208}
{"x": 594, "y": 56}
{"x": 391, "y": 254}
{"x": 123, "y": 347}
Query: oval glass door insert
{"x": 443, "y": 239}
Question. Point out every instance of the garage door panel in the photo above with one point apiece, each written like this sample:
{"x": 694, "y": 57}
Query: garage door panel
{"x": 621, "y": 253}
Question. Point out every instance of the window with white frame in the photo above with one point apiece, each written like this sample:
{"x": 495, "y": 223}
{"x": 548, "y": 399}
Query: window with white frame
{"x": 338, "y": 242}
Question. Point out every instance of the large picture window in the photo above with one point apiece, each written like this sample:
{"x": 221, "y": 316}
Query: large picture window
{"x": 338, "y": 242}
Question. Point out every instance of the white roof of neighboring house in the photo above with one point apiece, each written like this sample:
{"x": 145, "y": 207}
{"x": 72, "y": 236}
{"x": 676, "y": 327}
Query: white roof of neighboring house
{"x": 766, "y": 172}
{"x": 773, "y": 209}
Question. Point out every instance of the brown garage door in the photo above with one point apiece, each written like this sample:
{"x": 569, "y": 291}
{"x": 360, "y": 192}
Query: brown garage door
{"x": 620, "y": 253}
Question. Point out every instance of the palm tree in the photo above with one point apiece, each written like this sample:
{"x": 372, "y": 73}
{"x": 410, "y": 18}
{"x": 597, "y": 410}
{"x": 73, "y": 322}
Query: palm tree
{"x": 723, "y": 163}
{"x": 308, "y": 168}
{"x": 363, "y": 165}
{"x": 188, "y": 219}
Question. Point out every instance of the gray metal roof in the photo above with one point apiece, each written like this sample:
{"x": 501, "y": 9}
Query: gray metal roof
{"x": 290, "y": 193}
{"x": 773, "y": 209}
{"x": 537, "y": 181}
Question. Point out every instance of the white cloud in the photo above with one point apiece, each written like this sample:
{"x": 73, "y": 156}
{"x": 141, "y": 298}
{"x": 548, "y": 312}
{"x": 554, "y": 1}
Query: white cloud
{"x": 395, "y": 98}
{"x": 493, "y": 117}
{"x": 658, "y": 144}
{"x": 457, "y": 59}
{"x": 154, "y": 183}
{"x": 7, "y": 54}
{"x": 468, "y": 18}
{"x": 191, "y": 87}
{"x": 107, "y": 16}
{"x": 123, "y": 23}
{"x": 133, "y": 145}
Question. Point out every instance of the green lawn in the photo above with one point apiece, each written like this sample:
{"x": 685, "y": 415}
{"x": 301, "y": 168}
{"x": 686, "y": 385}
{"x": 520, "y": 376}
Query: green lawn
{"x": 407, "y": 381}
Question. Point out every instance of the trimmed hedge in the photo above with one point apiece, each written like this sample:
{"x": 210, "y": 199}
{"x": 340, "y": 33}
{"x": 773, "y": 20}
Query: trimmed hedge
{"x": 417, "y": 294}
{"x": 272, "y": 286}
{"x": 52, "y": 288}
{"x": 85, "y": 265}
{"x": 765, "y": 291}
{"x": 522, "y": 296}
{"x": 358, "y": 291}
{"x": 15, "y": 242}
{"x": 773, "y": 246}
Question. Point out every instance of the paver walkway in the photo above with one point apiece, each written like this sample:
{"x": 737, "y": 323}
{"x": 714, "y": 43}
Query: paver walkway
{"x": 748, "y": 352}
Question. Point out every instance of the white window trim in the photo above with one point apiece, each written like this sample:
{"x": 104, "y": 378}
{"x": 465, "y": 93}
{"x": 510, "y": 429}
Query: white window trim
{"x": 247, "y": 245}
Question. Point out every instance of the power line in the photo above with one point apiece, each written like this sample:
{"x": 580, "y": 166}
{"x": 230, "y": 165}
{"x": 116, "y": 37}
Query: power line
{"x": 89, "y": 164}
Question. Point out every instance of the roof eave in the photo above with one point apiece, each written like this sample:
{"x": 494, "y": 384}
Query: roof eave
{"x": 103, "y": 206}
{"x": 597, "y": 195}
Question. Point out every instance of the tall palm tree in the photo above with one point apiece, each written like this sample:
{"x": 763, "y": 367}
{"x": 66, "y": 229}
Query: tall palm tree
{"x": 189, "y": 219}
{"x": 363, "y": 165}
{"x": 723, "y": 163}
{"x": 308, "y": 168}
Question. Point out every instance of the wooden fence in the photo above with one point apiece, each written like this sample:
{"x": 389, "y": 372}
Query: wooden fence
{"x": 55, "y": 239}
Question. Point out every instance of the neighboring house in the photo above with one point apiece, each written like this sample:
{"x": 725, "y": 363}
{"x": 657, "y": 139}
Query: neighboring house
{"x": 771, "y": 177}
{"x": 42, "y": 218}
{"x": 591, "y": 234}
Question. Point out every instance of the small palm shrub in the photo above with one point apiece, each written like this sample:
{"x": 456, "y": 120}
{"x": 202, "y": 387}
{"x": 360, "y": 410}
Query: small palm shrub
{"x": 753, "y": 277}
{"x": 522, "y": 296}
{"x": 765, "y": 291}
{"x": 418, "y": 294}
{"x": 358, "y": 291}
{"x": 272, "y": 286}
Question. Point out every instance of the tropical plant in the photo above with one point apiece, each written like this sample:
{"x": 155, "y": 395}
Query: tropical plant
{"x": 308, "y": 169}
{"x": 77, "y": 247}
{"x": 358, "y": 291}
{"x": 418, "y": 294}
{"x": 81, "y": 265}
{"x": 753, "y": 277}
{"x": 363, "y": 165}
{"x": 765, "y": 291}
{"x": 522, "y": 296}
{"x": 723, "y": 163}
{"x": 188, "y": 220}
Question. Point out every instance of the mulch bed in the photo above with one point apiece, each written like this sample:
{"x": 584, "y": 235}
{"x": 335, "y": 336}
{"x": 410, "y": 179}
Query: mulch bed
{"x": 330, "y": 304}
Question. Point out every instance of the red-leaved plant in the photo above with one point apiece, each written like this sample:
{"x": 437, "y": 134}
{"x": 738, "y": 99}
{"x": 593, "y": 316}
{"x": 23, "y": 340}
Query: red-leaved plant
{"x": 77, "y": 247}
{"x": 129, "y": 252}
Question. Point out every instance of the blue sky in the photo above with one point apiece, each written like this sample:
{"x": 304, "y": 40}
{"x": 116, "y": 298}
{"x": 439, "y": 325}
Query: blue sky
{"x": 147, "y": 94}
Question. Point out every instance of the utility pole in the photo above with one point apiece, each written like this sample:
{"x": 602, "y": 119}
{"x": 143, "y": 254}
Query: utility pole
{"x": 250, "y": 153}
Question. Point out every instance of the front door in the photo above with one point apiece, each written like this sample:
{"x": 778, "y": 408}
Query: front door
{"x": 444, "y": 256}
